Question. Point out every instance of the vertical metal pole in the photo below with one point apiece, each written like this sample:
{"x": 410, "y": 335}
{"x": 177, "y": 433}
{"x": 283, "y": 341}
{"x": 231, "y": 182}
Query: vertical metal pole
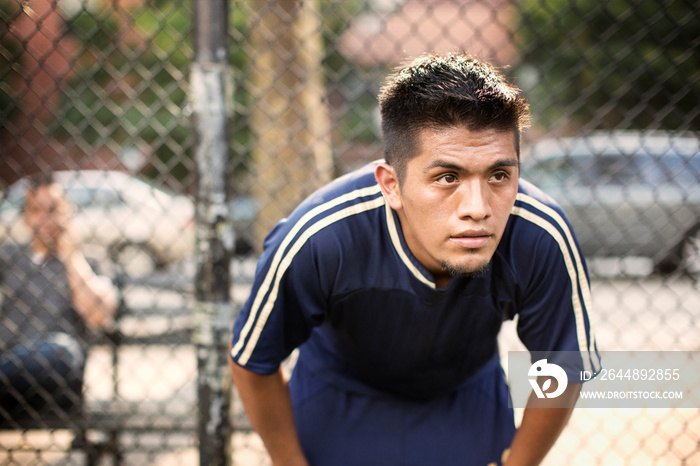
{"x": 211, "y": 85}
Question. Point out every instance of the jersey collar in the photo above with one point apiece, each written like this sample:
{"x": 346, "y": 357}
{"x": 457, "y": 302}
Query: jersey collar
{"x": 399, "y": 243}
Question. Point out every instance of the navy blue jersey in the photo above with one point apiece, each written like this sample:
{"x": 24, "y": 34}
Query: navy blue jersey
{"x": 337, "y": 280}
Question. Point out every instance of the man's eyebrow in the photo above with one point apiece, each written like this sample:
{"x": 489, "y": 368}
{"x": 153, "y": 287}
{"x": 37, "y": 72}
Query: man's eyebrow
{"x": 509, "y": 162}
{"x": 443, "y": 164}
{"x": 505, "y": 163}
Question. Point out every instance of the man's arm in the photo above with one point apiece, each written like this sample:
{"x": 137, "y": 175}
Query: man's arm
{"x": 269, "y": 407}
{"x": 95, "y": 298}
{"x": 540, "y": 427}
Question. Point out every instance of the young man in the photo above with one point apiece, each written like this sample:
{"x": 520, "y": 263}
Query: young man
{"x": 393, "y": 282}
{"x": 49, "y": 292}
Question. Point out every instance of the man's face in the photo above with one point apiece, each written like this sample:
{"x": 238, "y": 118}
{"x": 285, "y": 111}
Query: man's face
{"x": 46, "y": 212}
{"x": 455, "y": 199}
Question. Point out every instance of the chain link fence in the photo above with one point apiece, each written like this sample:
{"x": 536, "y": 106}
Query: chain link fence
{"x": 99, "y": 91}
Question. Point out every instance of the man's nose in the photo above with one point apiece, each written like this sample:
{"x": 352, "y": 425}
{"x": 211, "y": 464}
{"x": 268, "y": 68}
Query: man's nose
{"x": 474, "y": 200}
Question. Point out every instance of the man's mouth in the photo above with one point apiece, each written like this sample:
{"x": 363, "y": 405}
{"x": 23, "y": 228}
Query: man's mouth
{"x": 470, "y": 241}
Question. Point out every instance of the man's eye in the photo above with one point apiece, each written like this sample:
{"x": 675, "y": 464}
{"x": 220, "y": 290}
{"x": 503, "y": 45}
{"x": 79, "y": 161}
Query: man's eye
{"x": 447, "y": 179}
{"x": 500, "y": 176}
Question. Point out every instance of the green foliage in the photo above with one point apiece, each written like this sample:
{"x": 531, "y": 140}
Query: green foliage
{"x": 354, "y": 123}
{"x": 129, "y": 88}
{"x": 619, "y": 63}
{"x": 10, "y": 51}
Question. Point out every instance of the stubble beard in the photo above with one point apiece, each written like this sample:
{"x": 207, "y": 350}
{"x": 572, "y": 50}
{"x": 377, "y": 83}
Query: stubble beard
{"x": 456, "y": 270}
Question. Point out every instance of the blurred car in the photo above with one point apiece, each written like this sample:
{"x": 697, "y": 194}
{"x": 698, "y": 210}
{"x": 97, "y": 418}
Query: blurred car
{"x": 626, "y": 193}
{"x": 140, "y": 226}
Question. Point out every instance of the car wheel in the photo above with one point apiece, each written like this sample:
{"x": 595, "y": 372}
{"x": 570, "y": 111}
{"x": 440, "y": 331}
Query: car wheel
{"x": 690, "y": 254}
{"x": 135, "y": 259}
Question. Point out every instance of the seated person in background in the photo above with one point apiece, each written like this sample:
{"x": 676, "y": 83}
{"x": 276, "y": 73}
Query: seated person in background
{"x": 48, "y": 292}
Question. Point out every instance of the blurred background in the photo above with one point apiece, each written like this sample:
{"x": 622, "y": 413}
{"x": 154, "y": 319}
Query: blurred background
{"x": 101, "y": 92}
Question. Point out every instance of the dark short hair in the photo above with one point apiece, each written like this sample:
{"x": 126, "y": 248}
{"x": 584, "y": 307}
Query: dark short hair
{"x": 453, "y": 90}
{"x": 38, "y": 180}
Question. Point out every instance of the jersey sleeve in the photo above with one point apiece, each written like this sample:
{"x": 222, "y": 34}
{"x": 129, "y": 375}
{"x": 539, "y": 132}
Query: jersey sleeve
{"x": 286, "y": 302}
{"x": 553, "y": 315}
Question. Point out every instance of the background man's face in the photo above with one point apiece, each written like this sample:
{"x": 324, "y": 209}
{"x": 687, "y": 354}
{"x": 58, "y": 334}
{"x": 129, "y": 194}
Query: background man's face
{"x": 456, "y": 198}
{"x": 46, "y": 212}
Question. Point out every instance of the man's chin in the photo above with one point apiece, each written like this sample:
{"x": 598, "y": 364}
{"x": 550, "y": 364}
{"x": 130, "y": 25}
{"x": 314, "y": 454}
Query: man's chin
{"x": 468, "y": 271}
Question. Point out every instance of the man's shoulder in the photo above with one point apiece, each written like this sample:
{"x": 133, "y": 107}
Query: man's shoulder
{"x": 351, "y": 186}
{"x": 527, "y": 189}
{"x": 537, "y": 224}
{"x": 343, "y": 196}
{"x": 541, "y": 210}
{"x": 331, "y": 208}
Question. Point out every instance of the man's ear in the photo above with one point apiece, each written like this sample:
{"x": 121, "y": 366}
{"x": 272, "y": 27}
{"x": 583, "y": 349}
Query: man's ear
{"x": 389, "y": 182}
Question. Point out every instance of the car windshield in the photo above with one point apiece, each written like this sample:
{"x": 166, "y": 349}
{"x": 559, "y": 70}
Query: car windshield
{"x": 82, "y": 196}
{"x": 614, "y": 169}
{"x": 137, "y": 192}
{"x": 672, "y": 168}
{"x": 87, "y": 188}
{"x": 112, "y": 188}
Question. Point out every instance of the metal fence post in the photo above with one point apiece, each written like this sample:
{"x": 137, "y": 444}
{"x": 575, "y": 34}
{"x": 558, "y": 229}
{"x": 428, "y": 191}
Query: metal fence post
{"x": 210, "y": 81}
